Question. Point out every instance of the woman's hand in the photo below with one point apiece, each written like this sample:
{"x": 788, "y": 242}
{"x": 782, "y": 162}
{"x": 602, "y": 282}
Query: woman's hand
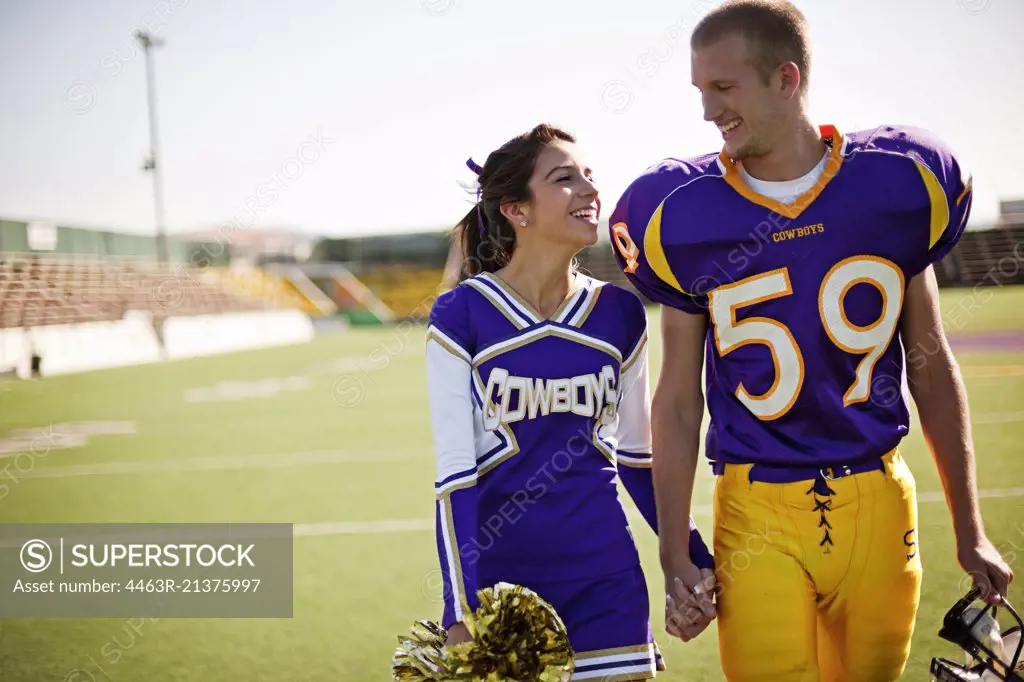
{"x": 457, "y": 634}
{"x": 689, "y": 599}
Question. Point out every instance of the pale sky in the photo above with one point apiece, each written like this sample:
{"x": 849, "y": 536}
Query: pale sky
{"x": 378, "y": 103}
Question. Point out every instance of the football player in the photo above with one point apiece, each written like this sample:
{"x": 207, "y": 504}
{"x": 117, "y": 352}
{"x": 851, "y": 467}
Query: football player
{"x": 795, "y": 266}
{"x": 540, "y": 405}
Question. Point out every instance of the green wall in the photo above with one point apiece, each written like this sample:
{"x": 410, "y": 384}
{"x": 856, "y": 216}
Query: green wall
{"x": 77, "y": 240}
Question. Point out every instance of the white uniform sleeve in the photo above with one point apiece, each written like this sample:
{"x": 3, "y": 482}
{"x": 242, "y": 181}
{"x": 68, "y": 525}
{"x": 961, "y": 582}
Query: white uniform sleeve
{"x": 451, "y": 414}
{"x": 634, "y": 427}
{"x": 451, "y": 406}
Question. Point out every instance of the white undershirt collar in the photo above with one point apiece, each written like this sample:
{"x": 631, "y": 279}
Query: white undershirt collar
{"x": 785, "y": 191}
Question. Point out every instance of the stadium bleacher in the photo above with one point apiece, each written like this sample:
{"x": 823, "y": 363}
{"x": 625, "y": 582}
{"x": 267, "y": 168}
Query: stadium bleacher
{"x": 263, "y": 285}
{"x": 48, "y": 288}
{"x": 52, "y": 289}
{"x": 988, "y": 257}
{"x": 985, "y": 257}
{"x": 406, "y": 290}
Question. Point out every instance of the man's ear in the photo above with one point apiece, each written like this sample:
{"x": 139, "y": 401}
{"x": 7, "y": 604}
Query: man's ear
{"x": 790, "y": 79}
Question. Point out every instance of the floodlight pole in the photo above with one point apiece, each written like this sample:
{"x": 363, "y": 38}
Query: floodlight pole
{"x": 149, "y": 41}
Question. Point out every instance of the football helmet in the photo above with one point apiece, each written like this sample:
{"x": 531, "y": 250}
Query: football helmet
{"x": 991, "y": 654}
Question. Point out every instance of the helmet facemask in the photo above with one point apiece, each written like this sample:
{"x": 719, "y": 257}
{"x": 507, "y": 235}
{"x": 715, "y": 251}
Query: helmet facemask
{"x": 992, "y": 656}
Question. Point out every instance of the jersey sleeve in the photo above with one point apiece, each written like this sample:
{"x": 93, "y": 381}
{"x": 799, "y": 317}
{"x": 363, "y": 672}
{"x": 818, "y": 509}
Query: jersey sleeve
{"x": 634, "y": 426}
{"x": 634, "y": 462}
{"x": 636, "y": 229}
{"x": 451, "y": 415}
{"x": 950, "y": 190}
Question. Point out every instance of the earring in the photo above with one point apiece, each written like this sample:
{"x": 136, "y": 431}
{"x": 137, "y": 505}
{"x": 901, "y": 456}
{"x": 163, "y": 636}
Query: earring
{"x": 522, "y": 223}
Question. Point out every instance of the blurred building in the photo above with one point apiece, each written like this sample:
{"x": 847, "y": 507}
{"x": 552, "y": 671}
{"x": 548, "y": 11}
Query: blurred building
{"x": 255, "y": 246}
{"x": 1011, "y": 213}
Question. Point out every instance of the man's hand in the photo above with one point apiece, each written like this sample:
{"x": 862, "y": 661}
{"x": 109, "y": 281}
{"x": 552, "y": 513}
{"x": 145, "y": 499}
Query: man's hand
{"x": 987, "y": 570}
{"x": 457, "y": 634}
{"x": 676, "y": 413}
{"x": 938, "y": 389}
{"x": 689, "y": 604}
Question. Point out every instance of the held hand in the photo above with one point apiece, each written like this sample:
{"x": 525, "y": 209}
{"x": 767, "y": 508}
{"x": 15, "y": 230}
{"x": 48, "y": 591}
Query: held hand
{"x": 457, "y": 634}
{"x": 689, "y": 605}
{"x": 987, "y": 570}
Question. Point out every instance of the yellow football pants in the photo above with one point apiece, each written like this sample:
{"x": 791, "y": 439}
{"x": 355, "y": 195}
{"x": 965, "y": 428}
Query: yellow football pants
{"x": 795, "y": 605}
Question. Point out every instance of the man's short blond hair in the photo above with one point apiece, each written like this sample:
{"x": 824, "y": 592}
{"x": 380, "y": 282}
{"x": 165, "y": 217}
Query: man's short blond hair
{"x": 775, "y": 29}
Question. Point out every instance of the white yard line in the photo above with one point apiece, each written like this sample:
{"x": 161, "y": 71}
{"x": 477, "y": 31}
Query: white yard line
{"x": 938, "y": 496}
{"x": 278, "y": 461}
{"x": 997, "y": 417}
{"x": 364, "y": 527}
{"x": 991, "y": 371}
{"x": 421, "y": 525}
{"x": 287, "y": 460}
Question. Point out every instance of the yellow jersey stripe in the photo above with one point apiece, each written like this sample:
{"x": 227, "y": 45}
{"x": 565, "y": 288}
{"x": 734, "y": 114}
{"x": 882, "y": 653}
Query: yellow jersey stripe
{"x": 937, "y": 198}
{"x": 655, "y": 252}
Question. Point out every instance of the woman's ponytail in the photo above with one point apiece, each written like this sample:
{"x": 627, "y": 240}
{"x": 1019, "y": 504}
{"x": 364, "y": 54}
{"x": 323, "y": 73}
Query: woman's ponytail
{"x": 486, "y": 246}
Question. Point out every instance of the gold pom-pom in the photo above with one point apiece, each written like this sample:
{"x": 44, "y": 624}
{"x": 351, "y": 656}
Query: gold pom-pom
{"x": 422, "y": 656}
{"x": 517, "y": 636}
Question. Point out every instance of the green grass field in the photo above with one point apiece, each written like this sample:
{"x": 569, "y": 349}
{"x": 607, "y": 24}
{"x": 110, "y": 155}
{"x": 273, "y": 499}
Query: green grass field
{"x": 358, "y": 400}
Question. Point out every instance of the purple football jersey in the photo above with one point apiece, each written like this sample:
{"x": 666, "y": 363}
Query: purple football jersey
{"x": 804, "y": 360}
